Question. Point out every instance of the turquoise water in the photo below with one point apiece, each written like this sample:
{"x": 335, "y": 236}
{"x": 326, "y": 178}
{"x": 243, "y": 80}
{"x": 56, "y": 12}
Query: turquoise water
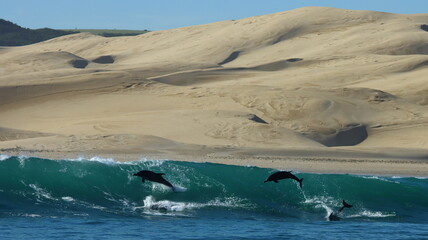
{"x": 99, "y": 198}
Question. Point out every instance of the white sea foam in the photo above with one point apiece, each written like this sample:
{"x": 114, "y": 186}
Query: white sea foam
{"x": 41, "y": 193}
{"x": 94, "y": 159}
{"x": 165, "y": 205}
{"x": 96, "y": 207}
{"x": 109, "y": 161}
{"x": 81, "y": 214}
{"x": 150, "y": 204}
{"x": 112, "y": 161}
{"x": 284, "y": 170}
{"x": 159, "y": 188}
{"x": 151, "y": 162}
{"x": 421, "y": 178}
{"x": 380, "y": 179}
{"x": 390, "y": 179}
{"x": 21, "y": 159}
{"x": 320, "y": 201}
{"x": 103, "y": 160}
{"x": 400, "y": 177}
{"x": 179, "y": 189}
{"x": 230, "y": 202}
{"x": 31, "y": 215}
{"x": 370, "y": 214}
{"x": 68, "y": 199}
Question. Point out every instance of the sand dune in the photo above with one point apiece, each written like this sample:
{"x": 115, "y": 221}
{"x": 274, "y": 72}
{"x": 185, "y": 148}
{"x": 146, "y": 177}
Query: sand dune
{"x": 312, "y": 80}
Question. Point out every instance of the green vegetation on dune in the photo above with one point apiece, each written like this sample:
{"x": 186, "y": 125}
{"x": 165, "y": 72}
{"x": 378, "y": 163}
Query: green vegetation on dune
{"x": 12, "y": 34}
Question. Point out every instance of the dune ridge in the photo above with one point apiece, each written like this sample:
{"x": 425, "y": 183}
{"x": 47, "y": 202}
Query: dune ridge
{"x": 313, "y": 79}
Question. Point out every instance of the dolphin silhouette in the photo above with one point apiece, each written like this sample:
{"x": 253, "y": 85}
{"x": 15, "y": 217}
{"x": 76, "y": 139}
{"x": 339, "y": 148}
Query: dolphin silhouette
{"x": 154, "y": 177}
{"x": 283, "y": 175}
{"x": 334, "y": 216}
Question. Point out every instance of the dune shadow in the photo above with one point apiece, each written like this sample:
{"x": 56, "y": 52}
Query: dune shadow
{"x": 104, "y": 59}
{"x": 349, "y": 136}
{"x": 257, "y": 119}
{"x": 222, "y": 74}
{"x": 294, "y": 59}
{"x": 295, "y": 31}
{"x": 79, "y": 63}
{"x": 231, "y": 57}
{"x": 276, "y": 66}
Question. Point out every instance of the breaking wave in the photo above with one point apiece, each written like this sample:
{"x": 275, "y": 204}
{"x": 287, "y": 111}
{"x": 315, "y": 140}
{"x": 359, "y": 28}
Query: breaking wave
{"x": 84, "y": 187}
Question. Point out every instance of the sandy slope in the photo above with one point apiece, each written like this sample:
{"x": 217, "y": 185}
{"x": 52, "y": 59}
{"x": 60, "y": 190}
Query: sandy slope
{"x": 332, "y": 83}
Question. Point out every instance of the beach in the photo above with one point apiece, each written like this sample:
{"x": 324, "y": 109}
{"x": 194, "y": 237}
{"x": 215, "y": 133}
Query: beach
{"x": 317, "y": 90}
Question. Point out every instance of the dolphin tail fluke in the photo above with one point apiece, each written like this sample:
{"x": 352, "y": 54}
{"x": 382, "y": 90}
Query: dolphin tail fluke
{"x": 345, "y": 204}
{"x": 300, "y": 182}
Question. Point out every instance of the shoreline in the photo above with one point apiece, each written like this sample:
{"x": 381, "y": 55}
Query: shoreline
{"x": 327, "y": 162}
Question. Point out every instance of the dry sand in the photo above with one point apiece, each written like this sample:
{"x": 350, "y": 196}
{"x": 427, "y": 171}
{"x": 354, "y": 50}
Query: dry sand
{"x": 312, "y": 89}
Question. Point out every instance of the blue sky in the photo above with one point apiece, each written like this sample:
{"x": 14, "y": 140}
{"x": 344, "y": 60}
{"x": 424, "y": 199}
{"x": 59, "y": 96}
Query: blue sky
{"x": 167, "y": 14}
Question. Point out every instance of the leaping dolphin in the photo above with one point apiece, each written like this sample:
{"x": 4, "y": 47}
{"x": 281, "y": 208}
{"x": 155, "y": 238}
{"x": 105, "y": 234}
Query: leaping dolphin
{"x": 283, "y": 175}
{"x": 154, "y": 177}
{"x": 334, "y": 216}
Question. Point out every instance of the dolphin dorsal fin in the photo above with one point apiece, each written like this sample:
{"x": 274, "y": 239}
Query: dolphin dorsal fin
{"x": 160, "y": 174}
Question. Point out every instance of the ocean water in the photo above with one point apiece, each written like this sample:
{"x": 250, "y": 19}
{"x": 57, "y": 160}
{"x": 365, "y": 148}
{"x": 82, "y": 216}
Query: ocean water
{"x": 100, "y": 199}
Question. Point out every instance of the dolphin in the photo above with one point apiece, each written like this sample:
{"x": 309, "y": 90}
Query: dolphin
{"x": 334, "y": 216}
{"x": 283, "y": 175}
{"x": 154, "y": 177}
